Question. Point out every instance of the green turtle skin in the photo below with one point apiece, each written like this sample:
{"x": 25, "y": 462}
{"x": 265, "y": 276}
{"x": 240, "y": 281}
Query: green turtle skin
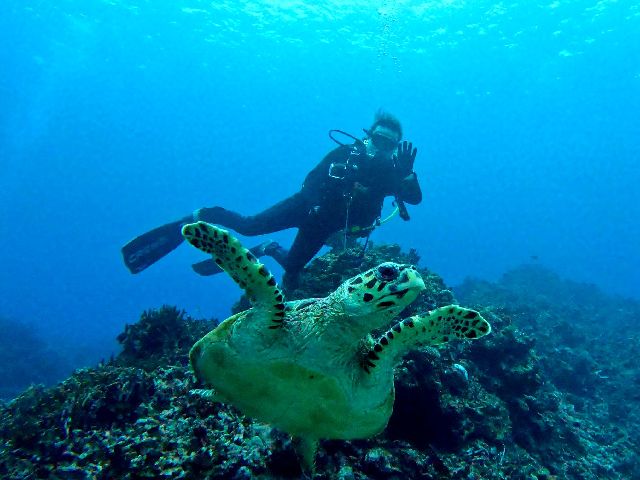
{"x": 311, "y": 368}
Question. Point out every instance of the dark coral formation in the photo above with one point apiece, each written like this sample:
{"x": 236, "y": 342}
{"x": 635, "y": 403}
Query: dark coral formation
{"x": 551, "y": 393}
{"x": 160, "y": 337}
{"x": 585, "y": 346}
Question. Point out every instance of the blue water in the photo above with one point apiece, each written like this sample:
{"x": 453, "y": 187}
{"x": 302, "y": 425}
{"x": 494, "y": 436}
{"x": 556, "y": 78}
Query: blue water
{"x": 119, "y": 116}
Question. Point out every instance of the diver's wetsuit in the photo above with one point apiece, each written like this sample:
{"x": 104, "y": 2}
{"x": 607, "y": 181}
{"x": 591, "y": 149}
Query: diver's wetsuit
{"x": 320, "y": 208}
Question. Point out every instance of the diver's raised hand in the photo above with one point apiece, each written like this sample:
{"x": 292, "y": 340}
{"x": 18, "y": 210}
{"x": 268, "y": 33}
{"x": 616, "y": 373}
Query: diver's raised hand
{"x": 406, "y": 157}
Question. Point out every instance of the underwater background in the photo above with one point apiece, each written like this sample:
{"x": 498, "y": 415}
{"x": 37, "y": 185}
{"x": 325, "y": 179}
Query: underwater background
{"x": 120, "y": 116}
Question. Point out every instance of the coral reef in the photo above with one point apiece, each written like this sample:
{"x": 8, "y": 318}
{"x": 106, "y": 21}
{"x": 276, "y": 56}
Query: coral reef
{"x": 545, "y": 396}
{"x": 160, "y": 337}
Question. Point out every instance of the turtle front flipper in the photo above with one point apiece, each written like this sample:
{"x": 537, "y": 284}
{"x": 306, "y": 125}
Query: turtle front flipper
{"x": 241, "y": 265}
{"x": 433, "y": 328}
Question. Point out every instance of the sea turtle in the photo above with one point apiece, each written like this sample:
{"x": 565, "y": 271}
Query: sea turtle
{"x": 311, "y": 367}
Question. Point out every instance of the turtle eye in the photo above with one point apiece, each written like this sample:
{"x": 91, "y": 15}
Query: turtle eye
{"x": 387, "y": 272}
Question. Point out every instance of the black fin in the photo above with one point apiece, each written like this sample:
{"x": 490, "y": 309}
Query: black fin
{"x": 148, "y": 248}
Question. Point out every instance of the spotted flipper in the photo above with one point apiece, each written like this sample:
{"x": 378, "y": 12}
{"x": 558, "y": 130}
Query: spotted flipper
{"x": 433, "y": 328}
{"x": 241, "y": 265}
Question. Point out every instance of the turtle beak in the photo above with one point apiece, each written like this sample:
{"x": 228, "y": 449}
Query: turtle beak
{"x": 405, "y": 289}
{"x": 411, "y": 279}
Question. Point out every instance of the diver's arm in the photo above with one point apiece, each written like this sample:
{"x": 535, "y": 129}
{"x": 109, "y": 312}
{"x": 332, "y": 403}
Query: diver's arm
{"x": 409, "y": 189}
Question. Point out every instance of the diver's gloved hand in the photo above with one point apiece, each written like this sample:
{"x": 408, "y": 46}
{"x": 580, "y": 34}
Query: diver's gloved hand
{"x": 406, "y": 158}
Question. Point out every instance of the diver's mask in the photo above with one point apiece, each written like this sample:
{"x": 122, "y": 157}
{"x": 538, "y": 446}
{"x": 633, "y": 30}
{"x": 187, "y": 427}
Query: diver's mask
{"x": 381, "y": 142}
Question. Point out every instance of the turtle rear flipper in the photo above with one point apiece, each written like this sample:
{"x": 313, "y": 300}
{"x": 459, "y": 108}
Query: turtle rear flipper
{"x": 242, "y": 266}
{"x": 306, "y": 448}
{"x": 433, "y": 328}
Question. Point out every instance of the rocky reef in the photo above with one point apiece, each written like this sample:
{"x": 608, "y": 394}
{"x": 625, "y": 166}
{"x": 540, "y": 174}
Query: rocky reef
{"x": 551, "y": 393}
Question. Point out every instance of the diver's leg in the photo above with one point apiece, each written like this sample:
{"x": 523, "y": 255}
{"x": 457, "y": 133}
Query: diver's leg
{"x": 276, "y": 251}
{"x": 308, "y": 242}
{"x": 287, "y": 213}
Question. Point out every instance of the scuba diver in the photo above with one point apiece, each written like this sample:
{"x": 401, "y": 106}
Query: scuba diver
{"x": 345, "y": 191}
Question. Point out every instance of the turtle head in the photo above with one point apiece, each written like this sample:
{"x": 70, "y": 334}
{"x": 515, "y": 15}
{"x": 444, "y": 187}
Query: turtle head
{"x": 383, "y": 291}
